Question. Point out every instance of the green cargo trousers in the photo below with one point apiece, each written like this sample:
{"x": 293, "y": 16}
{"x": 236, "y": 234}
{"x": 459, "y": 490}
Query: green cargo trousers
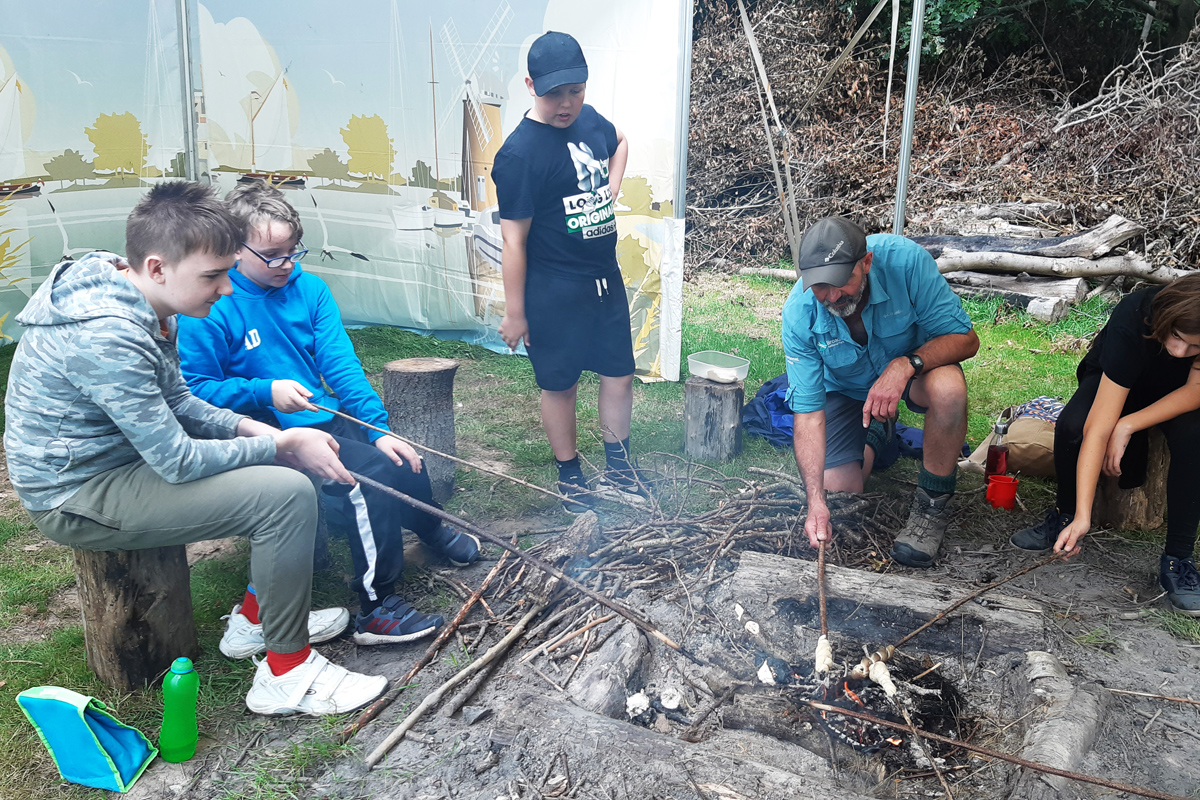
{"x": 132, "y": 508}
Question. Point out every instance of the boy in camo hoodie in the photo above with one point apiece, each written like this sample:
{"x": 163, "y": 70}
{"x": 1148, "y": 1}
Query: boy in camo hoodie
{"x": 108, "y": 450}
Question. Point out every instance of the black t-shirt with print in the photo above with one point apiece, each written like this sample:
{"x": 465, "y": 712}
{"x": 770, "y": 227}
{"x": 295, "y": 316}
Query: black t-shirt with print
{"x": 1124, "y": 352}
{"x": 559, "y": 177}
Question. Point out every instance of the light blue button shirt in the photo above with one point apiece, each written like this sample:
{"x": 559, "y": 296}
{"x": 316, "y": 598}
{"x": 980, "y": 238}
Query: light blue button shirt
{"x": 910, "y": 303}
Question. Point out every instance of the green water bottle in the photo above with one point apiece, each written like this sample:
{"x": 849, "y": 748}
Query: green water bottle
{"x": 179, "y": 734}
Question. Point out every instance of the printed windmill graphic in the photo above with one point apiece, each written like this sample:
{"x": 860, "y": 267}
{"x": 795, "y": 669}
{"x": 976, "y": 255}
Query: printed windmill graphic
{"x": 481, "y": 96}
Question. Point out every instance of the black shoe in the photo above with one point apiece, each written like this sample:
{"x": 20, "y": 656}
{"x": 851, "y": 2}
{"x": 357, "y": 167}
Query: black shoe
{"x": 576, "y": 494}
{"x": 624, "y": 485}
{"x": 1182, "y": 582}
{"x": 458, "y": 546}
{"x": 1041, "y": 537}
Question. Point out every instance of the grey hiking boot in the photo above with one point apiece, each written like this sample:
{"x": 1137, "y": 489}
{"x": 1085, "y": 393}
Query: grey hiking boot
{"x": 917, "y": 545}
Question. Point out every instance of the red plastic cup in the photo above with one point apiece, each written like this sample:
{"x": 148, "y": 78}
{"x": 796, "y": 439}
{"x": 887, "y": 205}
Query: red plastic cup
{"x": 1002, "y": 491}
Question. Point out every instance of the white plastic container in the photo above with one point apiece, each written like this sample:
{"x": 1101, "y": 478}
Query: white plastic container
{"x": 718, "y": 366}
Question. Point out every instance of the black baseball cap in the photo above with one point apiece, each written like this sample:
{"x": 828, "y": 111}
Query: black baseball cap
{"x": 554, "y": 59}
{"x": 829, "y": 251}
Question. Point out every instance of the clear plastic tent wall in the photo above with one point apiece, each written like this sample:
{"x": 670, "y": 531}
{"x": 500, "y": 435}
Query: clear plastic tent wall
{"x": 378, "y": 119}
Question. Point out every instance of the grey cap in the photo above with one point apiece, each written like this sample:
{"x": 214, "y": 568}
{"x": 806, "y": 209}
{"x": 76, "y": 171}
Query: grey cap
{"x": 829, "y": 251}
{"x": 556, "y": 59}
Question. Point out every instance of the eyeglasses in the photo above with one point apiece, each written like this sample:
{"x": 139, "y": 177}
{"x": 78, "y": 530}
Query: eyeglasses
{"x": 279, "y": 262}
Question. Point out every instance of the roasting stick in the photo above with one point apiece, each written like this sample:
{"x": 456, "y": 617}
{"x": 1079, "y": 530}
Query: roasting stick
{"x": 823, "y": 658}
{"x": 437, "y": 453}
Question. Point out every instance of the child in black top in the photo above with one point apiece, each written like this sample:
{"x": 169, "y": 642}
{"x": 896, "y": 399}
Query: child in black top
{"x": 1140, "y": 372}
{"x": 557, "y": 176}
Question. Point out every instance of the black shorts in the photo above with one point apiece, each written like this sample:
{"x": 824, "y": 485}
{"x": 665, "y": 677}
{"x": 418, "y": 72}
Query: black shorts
{"x": 577, "y": 324}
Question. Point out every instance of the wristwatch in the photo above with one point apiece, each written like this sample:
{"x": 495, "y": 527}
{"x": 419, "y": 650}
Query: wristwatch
{"x": 918, "y": 364}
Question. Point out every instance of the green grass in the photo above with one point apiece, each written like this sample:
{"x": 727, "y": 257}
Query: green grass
{"x": 31, "y": 569}
{"x": 1178, "y": 625}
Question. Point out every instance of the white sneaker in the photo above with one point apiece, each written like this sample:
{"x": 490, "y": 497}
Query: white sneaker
{"x": 242, "y": 638}
{"x": 316, "y": 687}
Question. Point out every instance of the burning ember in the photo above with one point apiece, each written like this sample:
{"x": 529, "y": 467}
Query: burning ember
{"x": 854, "y": 694}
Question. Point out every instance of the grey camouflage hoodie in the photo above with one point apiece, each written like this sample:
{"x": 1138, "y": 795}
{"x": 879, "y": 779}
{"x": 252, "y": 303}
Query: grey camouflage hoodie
{"x": 95, "y": 385}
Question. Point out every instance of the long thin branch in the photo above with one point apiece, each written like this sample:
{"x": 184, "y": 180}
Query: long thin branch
{"x": 434, "y": 697}
{"x": 942, "y": 615}
{"x": 376, "y": 708}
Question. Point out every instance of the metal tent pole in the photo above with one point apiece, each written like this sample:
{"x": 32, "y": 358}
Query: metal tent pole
{"x": 910, "y": 109}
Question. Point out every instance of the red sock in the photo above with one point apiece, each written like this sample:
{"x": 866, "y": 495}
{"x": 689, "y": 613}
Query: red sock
{"x": 286, "y": 662}
{"x": 250, "y": 607}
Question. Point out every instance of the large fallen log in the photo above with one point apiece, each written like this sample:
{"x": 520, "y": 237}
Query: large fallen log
{"x": 781, "y": 593}
{"x": 1091, "y": 244}
{"x": 615, "y": 755}
{"x": 1130, "y": 265}
{"x": 1047, "y": 299}
{"x": 1064, "y": 732}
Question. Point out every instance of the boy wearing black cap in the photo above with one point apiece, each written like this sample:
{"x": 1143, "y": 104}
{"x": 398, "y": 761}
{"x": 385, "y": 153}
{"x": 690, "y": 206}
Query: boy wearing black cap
{"x": 557, "y": 176}
{"x": 871, "y": 323}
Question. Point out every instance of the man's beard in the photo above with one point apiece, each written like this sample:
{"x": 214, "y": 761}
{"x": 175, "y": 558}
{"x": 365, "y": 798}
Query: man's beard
{"x": 847, "y": 306}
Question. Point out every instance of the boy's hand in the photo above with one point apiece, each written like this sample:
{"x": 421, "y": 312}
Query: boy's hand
{"x": 313, "y": 451}
{"x": 513, "y": 329}
{"x": 288, "y": 397}
{"x": 399, "y": 452}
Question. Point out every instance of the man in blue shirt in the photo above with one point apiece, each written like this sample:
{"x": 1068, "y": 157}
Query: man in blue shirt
{"x": 871, "y": 323}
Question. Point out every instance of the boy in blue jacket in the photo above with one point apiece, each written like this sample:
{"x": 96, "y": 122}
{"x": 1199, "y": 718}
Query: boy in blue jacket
{"x": 268, "y": 351}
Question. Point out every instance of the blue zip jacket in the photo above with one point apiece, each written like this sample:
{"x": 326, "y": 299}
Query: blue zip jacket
{"x": 257, "y": 336}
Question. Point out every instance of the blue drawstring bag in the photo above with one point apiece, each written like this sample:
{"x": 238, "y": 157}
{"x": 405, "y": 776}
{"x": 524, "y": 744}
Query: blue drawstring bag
{"x": 89, "y": 745}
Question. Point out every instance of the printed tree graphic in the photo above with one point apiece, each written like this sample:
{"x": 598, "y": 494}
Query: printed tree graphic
{"x": 120, "y": 145}
{"x": 422, "y": 176}
{"x": 370, "y": 150}
{"x": 69, "y": 166}
{"x": 326, "y": 164}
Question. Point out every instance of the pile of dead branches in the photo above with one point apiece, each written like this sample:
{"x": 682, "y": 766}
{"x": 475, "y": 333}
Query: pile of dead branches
{"x": 1014, "y": 134}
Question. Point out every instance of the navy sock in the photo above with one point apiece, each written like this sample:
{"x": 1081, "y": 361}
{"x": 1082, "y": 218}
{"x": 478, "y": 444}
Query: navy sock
{"x": 616, "y": 455}
{"x": 569, "y": 470}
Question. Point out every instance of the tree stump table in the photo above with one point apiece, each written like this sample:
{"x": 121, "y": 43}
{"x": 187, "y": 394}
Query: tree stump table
{"x": 1142, "y": 508}
{"x": 137, "y": 613}
{"x": 418, "y": 394}
{"x": 712, "y": 419}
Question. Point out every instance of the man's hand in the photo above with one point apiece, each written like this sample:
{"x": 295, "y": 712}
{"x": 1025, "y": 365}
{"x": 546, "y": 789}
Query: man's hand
{"x": 884, "y": 398}
{"x": 817, "y": 524}
{"x": 1115, "y": 451}
{"x": 399, "y": 452}
{"x": 1068, "y": 540}
{"x": 313, "y": 451}
{"x": 513, "y": 329}
{"x": 288, "y": 397}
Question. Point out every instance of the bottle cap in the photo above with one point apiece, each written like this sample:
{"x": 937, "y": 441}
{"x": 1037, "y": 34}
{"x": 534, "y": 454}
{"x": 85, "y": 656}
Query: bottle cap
{"x": 182, "y": 666}
{"x": 1002, "y": 427}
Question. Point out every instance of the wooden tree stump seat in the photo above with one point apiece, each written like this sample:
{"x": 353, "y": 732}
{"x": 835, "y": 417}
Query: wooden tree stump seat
{"x": 137, "y": 613}
{"x": 712, "y": 412}
{"x": 1142, "y": 508}
{"x": 418, "y": 394}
